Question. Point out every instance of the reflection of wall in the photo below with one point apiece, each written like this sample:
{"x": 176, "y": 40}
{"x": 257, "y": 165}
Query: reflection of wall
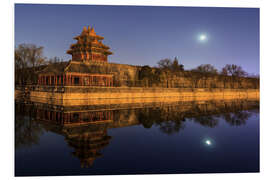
{"x": 121, "y": 116}
{"x": 74, "y": 118}
{"x": 86, "y": 130}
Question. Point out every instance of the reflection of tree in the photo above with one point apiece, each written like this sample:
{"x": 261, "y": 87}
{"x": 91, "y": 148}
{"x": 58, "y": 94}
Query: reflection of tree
{"x": 148, "y": 117}
{"x": 255, "y": 111}
{"x": 172, "y": 126}
{"x": 237, "y": 118}
{"x": 27, "y": 132}
{"x": 168, "y": 122}
{"x": 208, "y": 120}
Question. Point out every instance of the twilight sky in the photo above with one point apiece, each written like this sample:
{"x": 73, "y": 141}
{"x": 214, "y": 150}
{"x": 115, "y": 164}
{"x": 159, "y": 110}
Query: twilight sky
{"x": 142, "y": 35}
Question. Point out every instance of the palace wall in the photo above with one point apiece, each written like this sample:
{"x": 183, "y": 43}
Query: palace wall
{"x": 128, "y": 75}
{"x": 72, "y": 96}
{"x": 122, "y": 72}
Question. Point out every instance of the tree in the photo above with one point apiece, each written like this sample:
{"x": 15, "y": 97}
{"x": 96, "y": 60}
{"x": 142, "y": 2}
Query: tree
{"x": 194, "y": 77}
{"x": 235, "y": 72}
{"x": 27, "y": 58}
{"x": 165, "y": 64}
{"x": 168, "y": 64}
{"x": 206, "y": 71}
{"x": 149, "y": 75}
{"x": 145, "y": 72}
{"x": 206, "y": 68}
{"x": 145, "y": 75}
{"x": 169, "y": 68}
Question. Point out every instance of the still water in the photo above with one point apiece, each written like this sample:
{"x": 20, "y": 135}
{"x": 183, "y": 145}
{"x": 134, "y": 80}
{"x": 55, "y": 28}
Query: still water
{"x": 181, "y": 137}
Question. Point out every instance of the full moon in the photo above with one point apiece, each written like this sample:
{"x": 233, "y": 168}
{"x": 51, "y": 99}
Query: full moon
{"x": 202, "y": 37}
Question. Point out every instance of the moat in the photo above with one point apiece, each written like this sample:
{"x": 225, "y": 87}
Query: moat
{"x": 176, "y": 137}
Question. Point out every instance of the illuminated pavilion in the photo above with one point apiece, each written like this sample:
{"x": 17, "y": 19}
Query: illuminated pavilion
{"x": 81, "y": 69}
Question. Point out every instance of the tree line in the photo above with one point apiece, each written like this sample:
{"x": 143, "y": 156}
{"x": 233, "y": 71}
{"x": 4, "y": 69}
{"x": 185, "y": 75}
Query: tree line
{"x": 203, "y": 76}
{"x": 29, "y": 60}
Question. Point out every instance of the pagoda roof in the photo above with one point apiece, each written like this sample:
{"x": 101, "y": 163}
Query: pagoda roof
{"x": 85, "y": 68}
{"x": 89, "y": 32}
{"x": 55, "y": 68}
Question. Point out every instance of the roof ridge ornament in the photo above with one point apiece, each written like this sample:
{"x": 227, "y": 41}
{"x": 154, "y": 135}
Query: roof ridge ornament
{"x": 92, "y": 32}
{"x": 84, "y": 30}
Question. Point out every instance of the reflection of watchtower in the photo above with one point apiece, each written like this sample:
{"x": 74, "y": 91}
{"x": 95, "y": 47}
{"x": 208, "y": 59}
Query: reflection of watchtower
{"x": 73, "y": 118}
{"x": 88, "y": 145}
{"x": 84, "y": 130}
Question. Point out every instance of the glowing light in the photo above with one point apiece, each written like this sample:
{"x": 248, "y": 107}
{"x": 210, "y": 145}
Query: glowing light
{"x": 208, "y": 142}
{"x": 202, "y": 37}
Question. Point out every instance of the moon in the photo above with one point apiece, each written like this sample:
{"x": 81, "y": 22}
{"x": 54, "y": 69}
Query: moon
{"x": 202, "y": 37}
{"x": 208, "y": 142}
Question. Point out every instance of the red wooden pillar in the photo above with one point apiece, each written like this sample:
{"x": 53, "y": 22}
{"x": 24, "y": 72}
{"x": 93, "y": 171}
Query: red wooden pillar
{"x": 58, "y": 117}
{"x": 50, "y": 79}
{"x": 91, "y": 80}
{"x": 81, "y": 80}
{"x": 66, "y": 79}
{"x": 72, "y": 82}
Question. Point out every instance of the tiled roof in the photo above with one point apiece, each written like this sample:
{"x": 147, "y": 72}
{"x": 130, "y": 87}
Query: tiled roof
{"x": 78, "y": 67}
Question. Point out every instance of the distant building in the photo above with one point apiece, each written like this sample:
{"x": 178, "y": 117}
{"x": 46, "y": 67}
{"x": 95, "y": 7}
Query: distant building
{"x": 88, "y": 54}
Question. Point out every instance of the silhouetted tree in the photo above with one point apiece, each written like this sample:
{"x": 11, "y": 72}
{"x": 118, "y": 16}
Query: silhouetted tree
{"x": 28, "y": 57}
{"x": 206, "y": 68}
{"x": 235, "y": 72}
{"x": 206, "y": 71}
{"x": 165, "y": 64}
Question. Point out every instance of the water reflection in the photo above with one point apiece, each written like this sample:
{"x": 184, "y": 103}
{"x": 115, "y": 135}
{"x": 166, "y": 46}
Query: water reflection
{"x": 86, "y": 128}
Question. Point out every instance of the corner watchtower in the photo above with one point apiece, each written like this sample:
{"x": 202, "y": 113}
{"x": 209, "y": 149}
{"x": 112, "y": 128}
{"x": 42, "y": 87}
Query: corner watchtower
{"x": 89, "y": 47}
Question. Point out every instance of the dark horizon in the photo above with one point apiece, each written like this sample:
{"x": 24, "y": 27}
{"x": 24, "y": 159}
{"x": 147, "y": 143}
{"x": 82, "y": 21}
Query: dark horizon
{"x": 143, "y": 35}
